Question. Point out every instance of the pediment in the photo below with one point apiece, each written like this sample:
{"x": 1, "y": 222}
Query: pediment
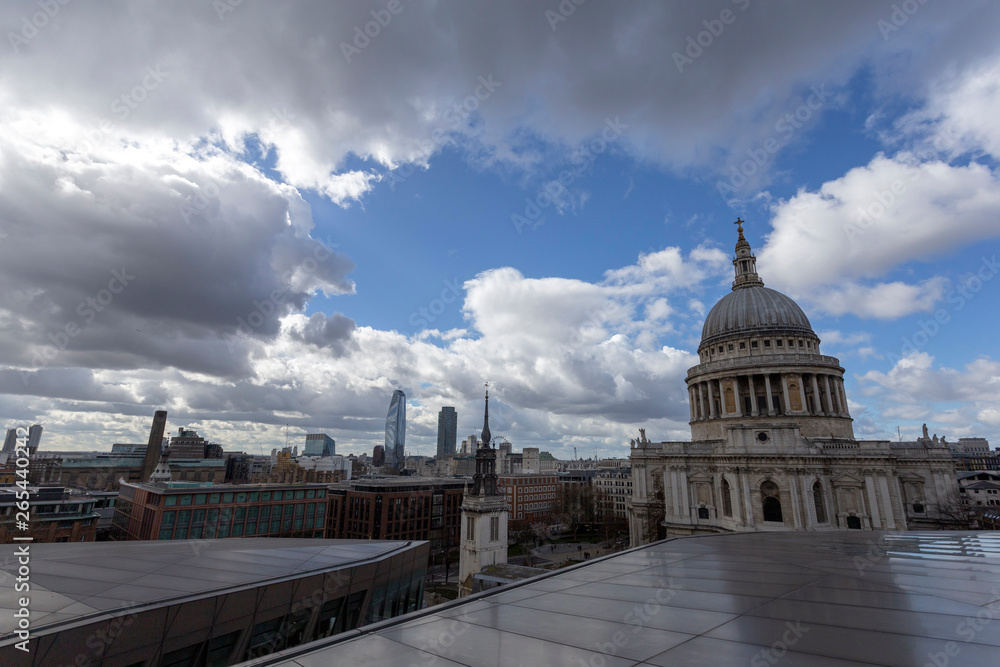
{"x": 701, "y": 477}
{"x": 910, "y": 477}
{"x": 846, "y": 480}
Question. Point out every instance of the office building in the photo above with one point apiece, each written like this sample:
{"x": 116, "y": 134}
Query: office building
{"x": 56, "y": 514}
{"x": 447, "y": 431}
{"x": 180, "y": 511}
{"x": 395, "y": 431}
{"x": 34, "y": 438}
{"x": 319, "y": 444}
{"x": 531, "y": 497}
{"x": 390, "y": 508}
{"x": 378, "y": 456}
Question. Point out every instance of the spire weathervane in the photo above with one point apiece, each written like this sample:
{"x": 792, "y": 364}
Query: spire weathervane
{"x": 486, "y": 435}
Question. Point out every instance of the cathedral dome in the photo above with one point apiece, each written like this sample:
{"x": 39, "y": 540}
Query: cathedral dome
{"x": 753, "y": 310}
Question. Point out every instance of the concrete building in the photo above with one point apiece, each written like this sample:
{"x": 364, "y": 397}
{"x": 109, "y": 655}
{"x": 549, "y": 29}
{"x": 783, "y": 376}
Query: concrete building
{"x": 56, "y": 514}
{"x": 447, "y": 431}
{"x": 614, "y": 488}
{"x": 772, "y": 444}
{"x": 180, "y": 511}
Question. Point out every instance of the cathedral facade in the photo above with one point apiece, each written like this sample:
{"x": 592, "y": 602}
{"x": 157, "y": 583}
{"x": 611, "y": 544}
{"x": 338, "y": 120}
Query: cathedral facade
{"x": 772, "y": 443}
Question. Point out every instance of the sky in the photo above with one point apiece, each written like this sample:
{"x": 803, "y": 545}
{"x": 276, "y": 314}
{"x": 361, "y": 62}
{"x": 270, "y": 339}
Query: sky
{"x": 265, "y": 217}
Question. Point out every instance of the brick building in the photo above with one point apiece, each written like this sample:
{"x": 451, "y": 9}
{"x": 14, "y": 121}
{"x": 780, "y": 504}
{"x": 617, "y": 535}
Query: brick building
{"x": 531, "y": 497}
{"x": 193, "y": 511}
{"x": 397, "y": 509}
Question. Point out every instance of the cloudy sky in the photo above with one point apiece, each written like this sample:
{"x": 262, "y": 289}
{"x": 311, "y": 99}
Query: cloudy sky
{"x": 265, "y": 217}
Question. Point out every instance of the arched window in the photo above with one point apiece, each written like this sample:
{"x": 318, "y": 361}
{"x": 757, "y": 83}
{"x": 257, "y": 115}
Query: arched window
{"x": 771, "y": 502}
{"x": 818, "y": 502}
{"x": 727, "y": 498}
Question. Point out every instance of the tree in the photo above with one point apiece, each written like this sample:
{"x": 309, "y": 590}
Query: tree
{"x": 957, "y": 512}
{"x": 653, "y": 514}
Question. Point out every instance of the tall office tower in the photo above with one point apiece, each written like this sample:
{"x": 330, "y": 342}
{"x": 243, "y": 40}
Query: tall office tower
{"x": 10, "y": 442}
{"x": 378, "y": 456}
{"x": 395, "y": 430}
{"x": 155, "y": 444}
{"x": 34, "y": 437}
{"x": 320, "y": 444}
{"x": 447, "y": 431}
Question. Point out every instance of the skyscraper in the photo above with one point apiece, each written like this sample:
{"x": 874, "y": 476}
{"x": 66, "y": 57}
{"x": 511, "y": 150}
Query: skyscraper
{"x": 10, "y": 442}
{"x": 395, "y": 430}
{"x": 447, "y": 431}
{"x": 34, "y": 437}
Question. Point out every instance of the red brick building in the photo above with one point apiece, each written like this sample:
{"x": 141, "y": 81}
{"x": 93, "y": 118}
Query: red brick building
{"x": 398, "y": 508}
{"x": 55, "y": 514}
{"x": 530, "y": 497}
{"x": 179, "y": 511}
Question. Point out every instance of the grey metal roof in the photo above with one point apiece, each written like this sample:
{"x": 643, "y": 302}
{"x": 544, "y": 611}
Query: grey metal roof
{"x": 748, "y": 310}
{"x": 78, "y": 579}
{"x": 817, "y": 598}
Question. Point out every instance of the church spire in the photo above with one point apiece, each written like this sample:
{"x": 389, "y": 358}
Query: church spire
{"x": 486, "y": 435}
{"x": 745, "y": 262}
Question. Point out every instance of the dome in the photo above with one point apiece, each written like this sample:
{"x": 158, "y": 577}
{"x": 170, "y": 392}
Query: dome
{"x": 751, "y": 310}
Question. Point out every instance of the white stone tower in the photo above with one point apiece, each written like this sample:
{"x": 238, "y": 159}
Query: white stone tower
{"x": 484, "y": 515}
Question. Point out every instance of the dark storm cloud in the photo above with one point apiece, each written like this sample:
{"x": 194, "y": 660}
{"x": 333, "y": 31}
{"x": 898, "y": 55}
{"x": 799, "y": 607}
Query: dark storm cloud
{"x": 333, "y": 332}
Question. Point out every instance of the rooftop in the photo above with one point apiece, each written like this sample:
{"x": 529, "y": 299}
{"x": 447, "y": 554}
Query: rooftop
{"x": 830, "y": 598}
{"x": 70, "y": 582}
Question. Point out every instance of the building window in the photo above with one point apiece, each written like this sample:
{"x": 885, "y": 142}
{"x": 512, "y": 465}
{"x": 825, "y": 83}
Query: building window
{"x": 779, "y": 342}
{"x": 470, "y": 528}
{"x": 818, "y": 502}
{"x": 743, "y": 346}
{"x": 767, "y": 343}
{"x": 494, "y": 529}
{"x": 771, "y": 502}
{"x": 753, "y": 344}
{"x": 727, "y": 498}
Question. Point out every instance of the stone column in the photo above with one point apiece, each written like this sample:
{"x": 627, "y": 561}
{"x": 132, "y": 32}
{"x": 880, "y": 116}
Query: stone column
{"x": 697, "y": 400}
{"x": 802, "y": 393}
{"x": 753, "y": 397}
{"x": 808, "y": 508}
{"x": 843, "y": 395}
{"x": 784, "y": 391}
{"x": 722, "y": 398}
{"x": 711, "y": 399}
{"x": 747, "y": 498}
{"x": 829, "y": 398}
{"x": 883, "y": 489}
{"x": 793, "y": 494}
{"x": 770, "y": 401}
{"x": 873, "y": 502}
{"x": 736, "y": 396}
{"x": 816, "y": 397}
{"x": 691, "y": 402}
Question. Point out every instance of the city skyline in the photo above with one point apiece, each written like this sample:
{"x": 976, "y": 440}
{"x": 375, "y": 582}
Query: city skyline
{"x": 539, "y": 197}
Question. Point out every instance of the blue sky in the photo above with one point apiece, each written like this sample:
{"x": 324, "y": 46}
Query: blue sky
{"x": 308, "y": 231}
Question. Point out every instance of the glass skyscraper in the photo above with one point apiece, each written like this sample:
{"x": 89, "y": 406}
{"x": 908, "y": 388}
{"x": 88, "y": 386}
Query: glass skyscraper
{"x": 320, "y": 444}
{"x": 395, "y": 430}
{"x": 447, "y": 431}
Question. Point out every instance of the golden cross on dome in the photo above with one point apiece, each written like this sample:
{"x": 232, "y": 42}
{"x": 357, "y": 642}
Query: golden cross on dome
{"x": 739, "y": 224}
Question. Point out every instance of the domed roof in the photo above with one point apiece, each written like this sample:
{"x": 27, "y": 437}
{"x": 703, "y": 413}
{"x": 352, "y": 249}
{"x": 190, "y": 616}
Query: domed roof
{"x": 755, "y": 309}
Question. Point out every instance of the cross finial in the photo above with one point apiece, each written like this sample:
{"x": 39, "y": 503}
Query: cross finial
{"x": 739, "y": 224}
